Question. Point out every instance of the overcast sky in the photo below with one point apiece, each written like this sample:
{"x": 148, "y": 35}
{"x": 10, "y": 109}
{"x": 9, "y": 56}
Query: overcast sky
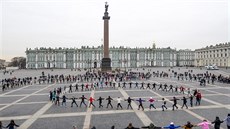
{"x": 179, "y": 24}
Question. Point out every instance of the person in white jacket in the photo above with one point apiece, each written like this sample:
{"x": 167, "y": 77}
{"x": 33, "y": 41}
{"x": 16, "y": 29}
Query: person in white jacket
{"x": 227, "y": 119}
{"x": 119, "y": 103}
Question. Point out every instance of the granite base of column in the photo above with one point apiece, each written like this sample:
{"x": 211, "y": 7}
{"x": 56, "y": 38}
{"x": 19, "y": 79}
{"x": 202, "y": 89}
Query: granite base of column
{"x": 106, "y": 65}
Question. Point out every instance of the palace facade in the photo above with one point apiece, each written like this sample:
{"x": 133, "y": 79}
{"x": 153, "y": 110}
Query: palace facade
{"x": 90, "y": 57}
{"x": 185, "y": 57}
{"x": 122, "y": 57}
{"x": 218, "y": 55}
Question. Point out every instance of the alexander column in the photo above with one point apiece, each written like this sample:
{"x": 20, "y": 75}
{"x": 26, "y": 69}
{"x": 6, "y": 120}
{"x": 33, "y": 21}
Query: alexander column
{"x": 106, "y": 61}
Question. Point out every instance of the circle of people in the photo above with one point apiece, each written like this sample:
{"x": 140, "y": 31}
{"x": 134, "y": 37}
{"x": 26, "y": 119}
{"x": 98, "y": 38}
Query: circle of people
{"x": 55, "y": 97}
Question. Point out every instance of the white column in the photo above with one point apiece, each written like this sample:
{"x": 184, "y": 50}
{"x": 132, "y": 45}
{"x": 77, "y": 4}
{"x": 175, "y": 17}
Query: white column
{"x": 74, "y": 60}
{"x": 138, "y": 60}
{"x": 80, "y": 57}
{"x": 127, "y": 60}
{"x": 36, "y": 60}
{"x": 51, "y": 61}
{"x": 64, "y": 60}
{"x": 27, "y": 57}
{"x": 48, "y": 56}
{"x": 162, "y": 56}
{"x": 55, "y": 61}
{"x": 45, "y": 59}
{"x": 122, "y": 59}
{"x": 92, "y": 58}
{"x": 149, "y": 58}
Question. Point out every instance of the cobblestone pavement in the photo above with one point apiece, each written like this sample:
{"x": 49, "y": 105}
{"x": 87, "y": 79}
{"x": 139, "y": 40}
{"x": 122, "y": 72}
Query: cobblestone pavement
{"x": 30, "y": 107}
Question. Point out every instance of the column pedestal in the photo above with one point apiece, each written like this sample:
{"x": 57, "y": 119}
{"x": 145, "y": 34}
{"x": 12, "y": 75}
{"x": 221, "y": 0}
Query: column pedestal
{"x": 106, "y": 65}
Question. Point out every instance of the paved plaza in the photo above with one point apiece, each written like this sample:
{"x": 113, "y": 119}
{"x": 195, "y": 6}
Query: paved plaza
{"x": 30, "y": 107}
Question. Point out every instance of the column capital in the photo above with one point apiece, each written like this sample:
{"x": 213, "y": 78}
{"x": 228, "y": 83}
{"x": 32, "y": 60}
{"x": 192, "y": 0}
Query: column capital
{"x": 106, "y": 16}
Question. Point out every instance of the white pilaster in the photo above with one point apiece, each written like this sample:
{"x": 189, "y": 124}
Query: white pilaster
{"x": 36, "y": 60}
{"x": 64, "y": 60}
{"x": 128, "y": 59}
{"x": 74, "y": 60}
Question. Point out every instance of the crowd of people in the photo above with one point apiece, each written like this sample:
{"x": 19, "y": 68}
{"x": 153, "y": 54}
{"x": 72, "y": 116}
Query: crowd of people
{"x": 203, "y": 125}
{"x": 203, "y": 78}
{"x": 94, "y": 81}
{"x": 138, "y": 80}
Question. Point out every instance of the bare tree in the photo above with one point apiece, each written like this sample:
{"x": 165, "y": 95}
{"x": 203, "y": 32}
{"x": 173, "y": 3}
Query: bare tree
{"x": 19, "y": 62}
{"x": 2, "y": 64}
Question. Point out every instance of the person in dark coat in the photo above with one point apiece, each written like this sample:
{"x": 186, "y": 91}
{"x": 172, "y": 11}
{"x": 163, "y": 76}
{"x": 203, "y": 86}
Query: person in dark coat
{"x": 73, "y": 101}
{"x": 93, "y": 127}
{"x": 1, "y": 126}
{"x": 191, "y": 100}
{"x": 184, "y": 99}
{"x": 100, "y": 101}
{"x": 109, "y": 102}
{"x": 174, "y": 102}
{"x": 140, "y": 103}
{"x": 83, "y": 100}
{"x": 129, "y": 100}
{"x": 217, "y": 123}
{"x": 130, "y": 126}
{"x": 151, "y": 126}
{"x": 11, "y": 125}
{"x": 188, "y": 125}
{"x": 51, "y": 95}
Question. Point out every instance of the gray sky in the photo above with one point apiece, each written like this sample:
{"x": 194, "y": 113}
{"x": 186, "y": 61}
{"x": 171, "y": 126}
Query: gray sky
{"x": 179, "y": 24}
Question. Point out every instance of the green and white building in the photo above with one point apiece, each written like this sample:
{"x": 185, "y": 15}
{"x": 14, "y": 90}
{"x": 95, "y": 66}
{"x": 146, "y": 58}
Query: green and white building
{"x": 90, "y": 57}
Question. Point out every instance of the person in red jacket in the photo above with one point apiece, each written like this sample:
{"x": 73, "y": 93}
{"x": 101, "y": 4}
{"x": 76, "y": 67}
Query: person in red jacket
{"x": 91, "y": 99}
{"x": 87, "y": 87}
{"x": 151, "y": 100}
{"x": 182, "y": 89}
